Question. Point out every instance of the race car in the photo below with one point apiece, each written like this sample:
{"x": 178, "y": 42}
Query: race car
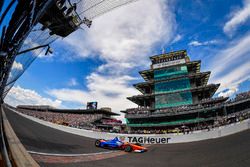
{"x": 118, "y": 144}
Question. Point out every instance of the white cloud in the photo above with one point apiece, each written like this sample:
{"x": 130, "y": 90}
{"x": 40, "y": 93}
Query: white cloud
{"x": 234, "y": 78}
{"x": 72, "y": 82}
{"x": 108, "y": 91}
{"x": 17, "y": 66}
{"x": 197, "y": 43}
{"x": 104, "y": 89}
{"x": 126, "y": 35}
{"x": 236, "y": 53}
{"x": 230, "y": 66}
{"x": 238, "y": 18}
{"x": 177, "y": 38}
{"x": 228, "y": 92}
{"x": 18, "y": 95}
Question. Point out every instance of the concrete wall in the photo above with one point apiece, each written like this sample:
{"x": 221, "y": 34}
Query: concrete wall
{"x": 152, "y": 138}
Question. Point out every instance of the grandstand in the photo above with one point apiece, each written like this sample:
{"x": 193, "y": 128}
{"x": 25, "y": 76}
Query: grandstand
{"x": 77, "y": 118}
{"x": 176, "y": 95}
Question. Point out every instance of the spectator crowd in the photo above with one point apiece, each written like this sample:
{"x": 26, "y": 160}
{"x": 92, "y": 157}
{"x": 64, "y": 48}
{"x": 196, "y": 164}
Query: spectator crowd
{"x": 185, "y": 129}
{"x": 111, "y": 122}
{"x": 72, "y": 120}
{"x": 204, "y": 104}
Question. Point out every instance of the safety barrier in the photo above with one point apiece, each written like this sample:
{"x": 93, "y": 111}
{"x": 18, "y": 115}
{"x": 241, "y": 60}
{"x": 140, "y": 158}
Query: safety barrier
{"x": 4, "y": 156}
{"x": 18, "y": 155}
{"x": 152, "y": 138}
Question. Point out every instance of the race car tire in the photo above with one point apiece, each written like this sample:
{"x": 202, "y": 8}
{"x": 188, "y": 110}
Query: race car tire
{"x": 128, "y": 148}
{"x": 97, "y": 143}
{"x": 138, "y": 144}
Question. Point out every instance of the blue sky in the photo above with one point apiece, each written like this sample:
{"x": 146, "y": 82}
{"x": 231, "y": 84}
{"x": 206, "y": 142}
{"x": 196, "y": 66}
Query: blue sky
{"x": 101, "y": 63}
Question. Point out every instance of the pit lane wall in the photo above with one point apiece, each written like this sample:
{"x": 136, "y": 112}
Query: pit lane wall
{"x": 151, "y": 138}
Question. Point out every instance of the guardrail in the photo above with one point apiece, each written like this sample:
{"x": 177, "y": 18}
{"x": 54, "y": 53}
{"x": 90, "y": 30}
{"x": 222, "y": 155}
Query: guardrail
{"x": 4, "y": 159}
{"x": 14, "y": 152}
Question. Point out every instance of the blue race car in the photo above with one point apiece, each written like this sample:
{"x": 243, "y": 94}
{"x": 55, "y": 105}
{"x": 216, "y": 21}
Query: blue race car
{"x": 118, "y": 144}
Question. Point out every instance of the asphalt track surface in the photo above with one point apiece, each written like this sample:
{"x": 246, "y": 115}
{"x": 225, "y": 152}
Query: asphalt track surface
{"x": 40, "y": 138}
{"x": 230, "y": 151}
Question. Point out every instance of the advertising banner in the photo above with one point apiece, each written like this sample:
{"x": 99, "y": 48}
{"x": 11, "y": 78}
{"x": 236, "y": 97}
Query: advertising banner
{"x": 145, "y": 139}
{"x": 169, "y": 63}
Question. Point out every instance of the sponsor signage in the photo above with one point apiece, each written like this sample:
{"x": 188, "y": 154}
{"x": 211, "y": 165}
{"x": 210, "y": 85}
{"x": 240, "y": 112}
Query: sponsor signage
{"x": 145, "y": 140}
{"x": 169, "y": 63}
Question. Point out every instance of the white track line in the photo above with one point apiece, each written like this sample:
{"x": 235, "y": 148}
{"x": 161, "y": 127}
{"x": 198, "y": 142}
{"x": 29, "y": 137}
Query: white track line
{"x": 70, "y": 155}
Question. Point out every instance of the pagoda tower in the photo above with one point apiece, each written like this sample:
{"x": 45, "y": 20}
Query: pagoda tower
{"x": 173, "y": 82}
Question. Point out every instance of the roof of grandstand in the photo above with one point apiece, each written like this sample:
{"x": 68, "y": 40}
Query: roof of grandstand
{"x": 75, "y": 111}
